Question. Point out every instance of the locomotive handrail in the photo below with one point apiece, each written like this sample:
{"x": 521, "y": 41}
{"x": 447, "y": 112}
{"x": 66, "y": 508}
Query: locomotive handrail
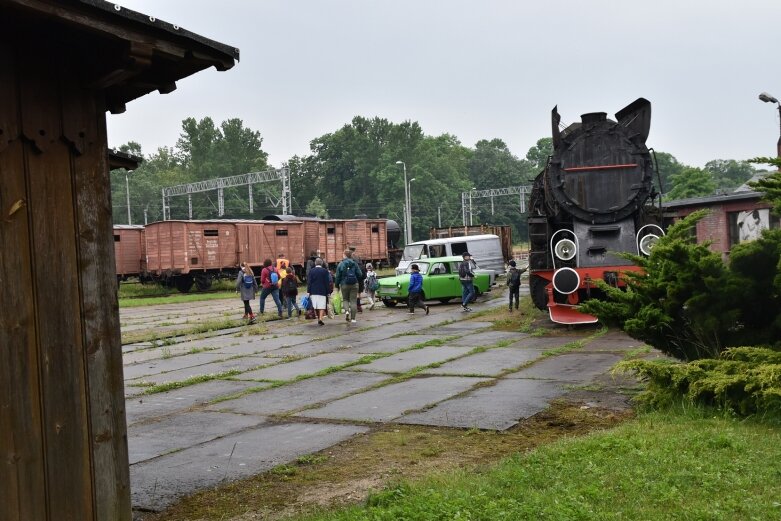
{"x": 577, "y": 246}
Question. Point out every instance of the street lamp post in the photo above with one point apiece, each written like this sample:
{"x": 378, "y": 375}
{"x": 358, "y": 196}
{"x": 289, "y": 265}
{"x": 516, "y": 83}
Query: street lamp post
{"x": 767, "y": 98}
{"x": 127, "y": 194}
{"x": 409, "y": 206}
{"x": 407, "y": 213}
{"x": 470, "y": 206}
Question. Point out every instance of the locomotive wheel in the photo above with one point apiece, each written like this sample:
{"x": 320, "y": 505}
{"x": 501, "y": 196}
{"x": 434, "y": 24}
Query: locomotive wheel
{"x": 537, "y": 289}
{"x": 183, "y": 283}
{"x": 203, "y": 282}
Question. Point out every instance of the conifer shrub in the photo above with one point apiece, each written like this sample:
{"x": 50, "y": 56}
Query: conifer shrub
{"x": 743, "y": 380}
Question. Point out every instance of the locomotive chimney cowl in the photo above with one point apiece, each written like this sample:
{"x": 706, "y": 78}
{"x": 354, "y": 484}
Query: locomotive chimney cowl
{"x": 593, "y": 117}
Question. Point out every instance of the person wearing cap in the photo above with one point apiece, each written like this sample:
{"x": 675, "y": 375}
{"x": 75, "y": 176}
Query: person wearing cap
{"x": 467, "y": 276}
{"x": 514, "y": 283}
{"x": 415, "y": 298}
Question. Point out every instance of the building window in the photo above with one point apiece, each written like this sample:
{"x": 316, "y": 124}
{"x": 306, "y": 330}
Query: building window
{"x": 748, "y": 225}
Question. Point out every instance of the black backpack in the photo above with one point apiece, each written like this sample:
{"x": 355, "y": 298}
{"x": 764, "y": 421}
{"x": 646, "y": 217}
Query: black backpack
{"x": 463, "y": 270}
{"x": 514, "y": 278}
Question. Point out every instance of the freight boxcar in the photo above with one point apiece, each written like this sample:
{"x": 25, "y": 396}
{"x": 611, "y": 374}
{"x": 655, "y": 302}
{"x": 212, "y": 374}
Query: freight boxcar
{"x": 129, "y": 250}
{"x": 179, "y": 253}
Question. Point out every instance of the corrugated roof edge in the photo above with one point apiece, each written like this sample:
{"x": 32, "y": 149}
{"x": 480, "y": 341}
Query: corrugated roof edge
{"x": 170, "y": 28}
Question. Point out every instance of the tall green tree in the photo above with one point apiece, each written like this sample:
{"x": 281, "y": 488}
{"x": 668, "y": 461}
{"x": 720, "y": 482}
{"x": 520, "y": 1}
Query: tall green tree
{"x": 667, "y": 166}
{"x": 729, "y": 174}
{"x": 538, "y": 154}
{"x": 691, "y": 182}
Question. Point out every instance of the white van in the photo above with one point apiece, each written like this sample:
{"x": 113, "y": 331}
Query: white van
{"x": 486, "y": 250}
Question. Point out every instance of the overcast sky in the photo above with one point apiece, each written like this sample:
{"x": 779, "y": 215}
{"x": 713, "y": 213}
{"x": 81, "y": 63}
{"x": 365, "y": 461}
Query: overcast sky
{"x": 476, "y": 69}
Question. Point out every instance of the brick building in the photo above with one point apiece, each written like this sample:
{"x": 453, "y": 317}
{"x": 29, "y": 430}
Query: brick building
{"x": 733, "y": 218}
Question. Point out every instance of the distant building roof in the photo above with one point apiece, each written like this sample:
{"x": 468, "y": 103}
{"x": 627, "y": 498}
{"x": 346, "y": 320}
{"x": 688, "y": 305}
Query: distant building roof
{"x": 704, "y": 201}
{"x": 756, "y": 177}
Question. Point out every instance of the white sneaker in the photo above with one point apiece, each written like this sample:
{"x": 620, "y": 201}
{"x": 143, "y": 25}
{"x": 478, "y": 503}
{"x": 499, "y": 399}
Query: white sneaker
{"x": 353, "y": 321}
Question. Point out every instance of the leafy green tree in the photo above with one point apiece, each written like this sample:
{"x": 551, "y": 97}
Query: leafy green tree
{"x": 317, "y": 208}
{"x": 729, "y": 174}
{"x": 668, "y": 166}
{"x": 691, "y": 182}
{"x": 538, "y": 154}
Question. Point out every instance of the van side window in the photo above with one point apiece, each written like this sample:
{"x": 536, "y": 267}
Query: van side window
{"x": 437, "y": 250}
{"x": 458, "y": 248}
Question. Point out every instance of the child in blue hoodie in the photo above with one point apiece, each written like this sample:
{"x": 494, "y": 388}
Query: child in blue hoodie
{"x": 416, "y": 290}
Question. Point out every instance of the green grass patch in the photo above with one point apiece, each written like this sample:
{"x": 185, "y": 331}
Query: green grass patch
{"x": 138, "y": 295}
{"x": 678, "y": 464}
{"x": 161, "y": 388}
{"x": 166, "y": 338}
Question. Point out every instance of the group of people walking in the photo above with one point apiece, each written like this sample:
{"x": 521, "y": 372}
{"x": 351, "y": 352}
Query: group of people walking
{"x": 351, "y": 279}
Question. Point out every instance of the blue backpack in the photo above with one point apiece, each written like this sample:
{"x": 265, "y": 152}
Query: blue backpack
{"x": 248, "y": 281}
{"x": 273, "y": 276}
{"x": 350, "y": 277}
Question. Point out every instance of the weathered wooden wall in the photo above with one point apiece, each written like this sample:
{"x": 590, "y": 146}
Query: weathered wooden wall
{"x": 63, "y": 446}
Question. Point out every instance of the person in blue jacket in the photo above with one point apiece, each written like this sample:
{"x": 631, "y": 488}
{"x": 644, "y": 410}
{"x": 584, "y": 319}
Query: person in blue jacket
{"x": 415, "y": 298}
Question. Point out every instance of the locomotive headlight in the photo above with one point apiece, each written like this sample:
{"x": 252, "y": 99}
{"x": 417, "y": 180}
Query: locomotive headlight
{"x": 647, "y": 243}
{"x": 565, "y": 249}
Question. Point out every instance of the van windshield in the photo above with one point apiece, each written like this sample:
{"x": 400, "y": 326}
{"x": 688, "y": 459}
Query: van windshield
{"x": 413, "y": 252}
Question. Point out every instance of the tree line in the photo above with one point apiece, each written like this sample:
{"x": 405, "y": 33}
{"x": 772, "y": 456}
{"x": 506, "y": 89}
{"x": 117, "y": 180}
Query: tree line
{"x": 354, "y": 171}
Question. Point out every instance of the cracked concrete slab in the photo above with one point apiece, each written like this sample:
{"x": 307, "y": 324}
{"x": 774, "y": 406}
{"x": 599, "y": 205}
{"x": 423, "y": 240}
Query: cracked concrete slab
{"x": 305, "y": 393}
{"x": 488, "y": 363}
{"x": 391, "y": 345}
{"x": 570, "y": 367}
{"x": 161, "y": 404}
{"x": 290, "y": 370}
{"x": 157, "y": 483}
{"x": 162, "y": 365}
{"x": 172, "y": 433}
{"x": 403, "y": 362}
{"x": 391, "y": 401}
{"x": 496, "y": 407}
{"x": 486, "y": 338}
{"x": 240, "y": 364}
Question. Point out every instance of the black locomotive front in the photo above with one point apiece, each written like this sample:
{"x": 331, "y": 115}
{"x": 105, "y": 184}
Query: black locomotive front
{"x": 588, "y": 204}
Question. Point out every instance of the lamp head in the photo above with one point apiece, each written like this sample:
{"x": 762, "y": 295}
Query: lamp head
{"x": 767, "y": 98}
{"x": 399, "y": 162}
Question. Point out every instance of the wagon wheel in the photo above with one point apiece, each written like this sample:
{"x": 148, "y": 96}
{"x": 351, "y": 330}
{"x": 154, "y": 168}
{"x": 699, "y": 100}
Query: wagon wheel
{"x": 183, "y": 283}
{"x": 537, "y": 289}
{"x": 203, "y": 282}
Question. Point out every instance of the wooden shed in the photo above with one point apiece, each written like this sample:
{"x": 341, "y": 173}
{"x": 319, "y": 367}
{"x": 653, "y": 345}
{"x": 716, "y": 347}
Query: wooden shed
{"x": 63, "y": 64}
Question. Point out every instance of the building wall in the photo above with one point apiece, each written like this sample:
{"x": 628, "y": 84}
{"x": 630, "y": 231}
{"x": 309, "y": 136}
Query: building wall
{"x": 62, "y": 419}
{"x": 715, "y": 227}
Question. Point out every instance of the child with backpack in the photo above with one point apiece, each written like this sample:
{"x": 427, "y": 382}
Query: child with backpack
{"x": 372, "y": 284}
{"x": 514, "y": 283}
{"x": 290, "y": 292}
{"x": 246, "y": 285}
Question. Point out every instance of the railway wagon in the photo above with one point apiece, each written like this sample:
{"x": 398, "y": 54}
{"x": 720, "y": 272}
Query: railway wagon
{"x": 590, "y": 203}
{"x": 369, "y": 236}
{"x": 179, "y": 253}
{"x": 129, "y": 250}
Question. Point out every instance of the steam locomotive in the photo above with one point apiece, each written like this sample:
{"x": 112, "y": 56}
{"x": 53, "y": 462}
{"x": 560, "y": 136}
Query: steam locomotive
{"x": 591, "y": 202}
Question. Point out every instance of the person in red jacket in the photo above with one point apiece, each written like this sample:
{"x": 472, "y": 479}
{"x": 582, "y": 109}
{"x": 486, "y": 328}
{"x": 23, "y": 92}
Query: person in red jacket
{"x": 269, "y": 282}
